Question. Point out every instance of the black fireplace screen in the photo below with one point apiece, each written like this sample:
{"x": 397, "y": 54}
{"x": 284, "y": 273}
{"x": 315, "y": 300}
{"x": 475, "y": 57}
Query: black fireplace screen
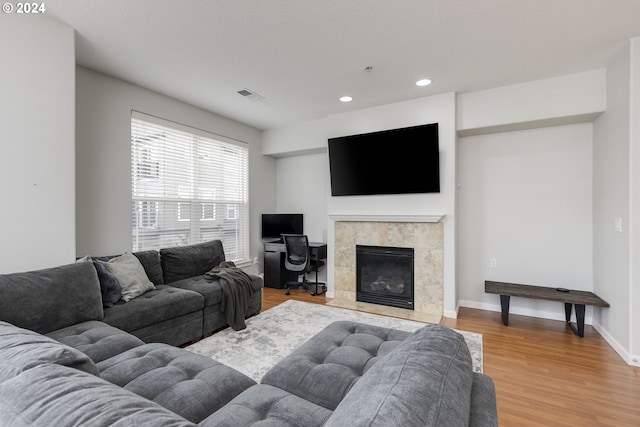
{"x": 384, "y": 275}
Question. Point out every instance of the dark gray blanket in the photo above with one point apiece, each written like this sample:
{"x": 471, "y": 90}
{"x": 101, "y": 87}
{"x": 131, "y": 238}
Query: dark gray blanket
{"x": 236, "y": 291}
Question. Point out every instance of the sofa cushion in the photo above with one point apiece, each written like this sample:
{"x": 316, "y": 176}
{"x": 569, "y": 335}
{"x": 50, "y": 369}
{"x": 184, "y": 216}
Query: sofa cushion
{"x": 52, "y": 298}
{"x": 51, "y": 395}
{"x": 192, "y": 260}
{"x": 189, "y": 384}
{"x": 325, "y": 368}
{"x": 21, "y": 350}
{"x": 150, "y": 260}
{"x": 96, "y": 339}
{"x": 211, "y": 289}
{"x": 109, "y": 285}
{"x": 267, "y": 406}
{"x": 163, "y": 303}
{"x": 425, "y": 381}
{"x": 131, "y": 275}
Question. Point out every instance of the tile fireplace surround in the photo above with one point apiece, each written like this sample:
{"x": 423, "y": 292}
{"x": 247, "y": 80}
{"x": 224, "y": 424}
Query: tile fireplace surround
{"x": 423, "y": 234}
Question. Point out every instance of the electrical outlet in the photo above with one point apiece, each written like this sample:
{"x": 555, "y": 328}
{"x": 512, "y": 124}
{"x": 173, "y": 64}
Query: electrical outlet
{"x": 493, "y": 263}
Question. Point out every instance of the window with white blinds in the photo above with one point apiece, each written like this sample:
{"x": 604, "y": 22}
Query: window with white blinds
{"x": 187, "y": 186}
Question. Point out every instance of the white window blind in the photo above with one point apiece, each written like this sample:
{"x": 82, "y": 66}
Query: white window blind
{"x": 187, "y": 186}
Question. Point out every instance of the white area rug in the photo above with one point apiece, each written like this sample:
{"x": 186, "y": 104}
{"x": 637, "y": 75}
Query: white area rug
{"x": 275, "y": 333}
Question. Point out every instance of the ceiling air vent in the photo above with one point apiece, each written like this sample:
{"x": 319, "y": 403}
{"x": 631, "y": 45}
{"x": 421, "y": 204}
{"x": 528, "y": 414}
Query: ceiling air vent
{"x": 249, "y": 94}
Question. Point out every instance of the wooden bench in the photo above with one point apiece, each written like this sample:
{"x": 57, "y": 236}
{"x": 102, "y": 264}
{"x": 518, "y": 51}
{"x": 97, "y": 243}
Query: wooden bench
{"x": 568, "y": 297}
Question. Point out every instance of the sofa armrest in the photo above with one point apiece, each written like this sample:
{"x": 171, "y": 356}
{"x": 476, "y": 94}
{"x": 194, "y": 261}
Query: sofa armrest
{"x": 484, "y": 412}
{"x": 22, "y": 350}
{"x": 52, "y": 298}
{"x": 425, "y": 381}
{"x": 257, "y": 282}
{"x": 53, "y": 395}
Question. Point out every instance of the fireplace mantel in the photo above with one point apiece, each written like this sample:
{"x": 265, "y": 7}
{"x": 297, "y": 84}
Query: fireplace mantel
{"x": 423, "y": 233}
{"x": 388, "y": 218}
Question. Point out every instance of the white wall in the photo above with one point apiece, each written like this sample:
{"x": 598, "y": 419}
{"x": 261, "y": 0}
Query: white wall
{"x": 525, "y": 199}
{"x": 547, "y": 105}
{"x": 37, "y": 113}
{"x": 104, "y": 159}
{"x": 313, "y": 136}
{"x": 558, "y": 100}
{"x": 617, "y": 195}
{"x": 611, "y": 200}
{"x": 302, "y": 181}
{"x": 634, "y": 217}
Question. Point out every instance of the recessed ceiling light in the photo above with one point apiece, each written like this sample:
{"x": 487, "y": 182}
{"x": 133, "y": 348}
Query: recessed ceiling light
{"x": 346, "y": 99}
{"x": 423, "y": 82}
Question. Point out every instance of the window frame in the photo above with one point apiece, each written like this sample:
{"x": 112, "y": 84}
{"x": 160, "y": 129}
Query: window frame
{"x": 209, "y": 172}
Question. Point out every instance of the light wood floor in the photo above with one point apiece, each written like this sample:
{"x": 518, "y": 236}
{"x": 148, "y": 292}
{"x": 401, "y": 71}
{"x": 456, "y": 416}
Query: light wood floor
{"x": 543, "y": 373}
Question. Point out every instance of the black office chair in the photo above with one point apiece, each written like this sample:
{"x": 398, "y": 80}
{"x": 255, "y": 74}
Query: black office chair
{"x": 298, "y": 259}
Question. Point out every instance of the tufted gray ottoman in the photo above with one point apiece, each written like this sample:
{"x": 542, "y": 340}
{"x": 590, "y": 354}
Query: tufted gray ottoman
{"x": 324, "y": 369}
{"x": 189, "y": 384}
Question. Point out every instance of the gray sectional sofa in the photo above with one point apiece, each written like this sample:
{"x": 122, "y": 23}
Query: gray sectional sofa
{"x": 182, "y": 306}
{"x": 63, "y": 364}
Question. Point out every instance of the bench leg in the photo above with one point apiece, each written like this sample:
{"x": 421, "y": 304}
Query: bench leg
{"x": 504, "y": 304}
{"x": 580, "y": 319}
{"x": 567, "y": 311}
{"x": 579, "y": 328}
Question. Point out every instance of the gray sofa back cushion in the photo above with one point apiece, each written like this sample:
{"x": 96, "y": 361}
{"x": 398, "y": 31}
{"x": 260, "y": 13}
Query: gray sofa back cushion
{"x": 52, "y": 298}
{"x": 183, "y": 262}
{"x": 425, "y": 381}
{"x": 150, "y": 260}
{"x": 21, "y": 350}
{"x": 52, "y": 395}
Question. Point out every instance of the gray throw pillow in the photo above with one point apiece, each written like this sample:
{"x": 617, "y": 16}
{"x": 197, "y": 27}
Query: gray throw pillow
{"x": 109, "y": 285}
{"x": 130, "y": 274}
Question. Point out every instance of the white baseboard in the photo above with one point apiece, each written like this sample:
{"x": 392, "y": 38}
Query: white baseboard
{"x": 452, "y": 314}
{"x": 633, "y": 360}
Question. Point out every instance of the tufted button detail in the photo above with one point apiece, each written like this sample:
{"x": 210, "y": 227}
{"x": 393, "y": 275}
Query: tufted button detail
{"x": 332, "y": 361}
{"x": 164, "y": 374}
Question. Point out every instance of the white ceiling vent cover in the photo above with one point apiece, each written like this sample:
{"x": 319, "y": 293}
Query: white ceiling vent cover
{"x": 249, "y": 94}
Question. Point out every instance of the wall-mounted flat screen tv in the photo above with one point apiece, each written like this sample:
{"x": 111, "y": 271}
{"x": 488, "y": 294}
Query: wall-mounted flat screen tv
{"x": 274, "y": 225}
{"x": 396, "y": 161}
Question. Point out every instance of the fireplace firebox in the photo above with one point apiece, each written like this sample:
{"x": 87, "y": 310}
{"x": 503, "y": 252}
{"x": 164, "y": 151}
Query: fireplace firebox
{"x": 384, "y": 275}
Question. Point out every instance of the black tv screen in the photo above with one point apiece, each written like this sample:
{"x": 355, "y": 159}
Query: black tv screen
{"x": 397, "y": 161}
{"x": 274, "y": 225}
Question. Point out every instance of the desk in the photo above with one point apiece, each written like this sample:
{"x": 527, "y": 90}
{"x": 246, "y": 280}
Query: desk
{"x": 275, "y": 273}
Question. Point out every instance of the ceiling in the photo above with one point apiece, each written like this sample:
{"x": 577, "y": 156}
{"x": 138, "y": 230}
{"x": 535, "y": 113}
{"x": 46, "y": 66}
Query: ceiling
{"x": 302, "y": 55}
